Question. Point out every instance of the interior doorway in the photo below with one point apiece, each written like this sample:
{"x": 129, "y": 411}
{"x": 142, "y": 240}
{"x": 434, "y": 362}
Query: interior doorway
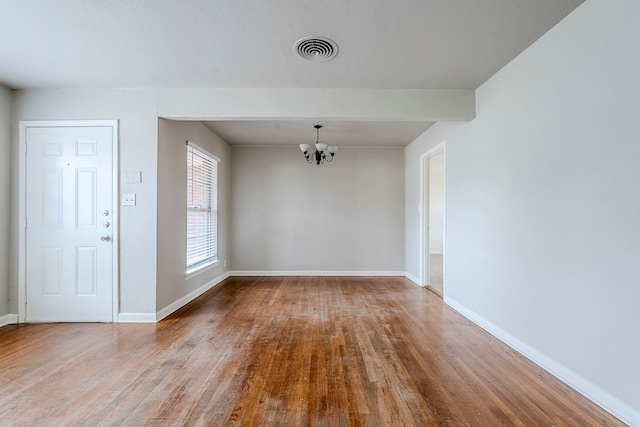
{"x": 433, "y": 218}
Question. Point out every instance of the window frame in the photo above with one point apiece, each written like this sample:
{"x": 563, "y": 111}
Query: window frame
{"x": 208, "y": 251}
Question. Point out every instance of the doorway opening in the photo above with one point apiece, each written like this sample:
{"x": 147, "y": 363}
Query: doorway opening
{"x": 432, "y": 167}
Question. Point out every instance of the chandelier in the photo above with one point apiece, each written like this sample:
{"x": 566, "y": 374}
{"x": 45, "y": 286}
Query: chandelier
{"x": 322, "y": 153}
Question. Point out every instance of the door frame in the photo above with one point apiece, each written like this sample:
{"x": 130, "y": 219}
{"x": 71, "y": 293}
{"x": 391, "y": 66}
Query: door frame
{"x": 22, "y": 206}
{"x": 424, "y": 214}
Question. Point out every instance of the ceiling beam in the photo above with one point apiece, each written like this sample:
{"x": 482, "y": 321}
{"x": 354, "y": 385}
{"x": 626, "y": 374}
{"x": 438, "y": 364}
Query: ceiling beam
{"x": 335, "y": 104}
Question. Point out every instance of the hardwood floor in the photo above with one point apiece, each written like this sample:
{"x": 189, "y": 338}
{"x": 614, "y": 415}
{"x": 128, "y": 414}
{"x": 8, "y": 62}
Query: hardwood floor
{"x": 319, "y": 351}
{"x": 436, "y": 274}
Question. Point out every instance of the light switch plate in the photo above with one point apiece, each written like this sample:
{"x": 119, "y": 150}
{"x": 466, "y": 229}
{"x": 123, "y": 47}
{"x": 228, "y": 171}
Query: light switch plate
{"x": 133, "y": 177}
{"x": 128, "y": 200}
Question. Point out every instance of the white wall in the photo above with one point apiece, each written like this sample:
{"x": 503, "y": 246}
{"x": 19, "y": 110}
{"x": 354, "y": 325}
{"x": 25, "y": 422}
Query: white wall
{"x": 344, "y": 216}
{"x": 138, "y": 127}
{"x": 543, "y": 204}
{"x": 172, "y": 220}
{"x": 137, "y": 111}
{"x": 5, "y": 191}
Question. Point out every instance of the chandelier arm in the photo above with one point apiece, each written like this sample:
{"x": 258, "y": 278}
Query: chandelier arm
{"x": 319, "y": 155}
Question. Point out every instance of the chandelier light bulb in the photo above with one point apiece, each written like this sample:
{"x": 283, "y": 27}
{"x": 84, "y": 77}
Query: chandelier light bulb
{"x": 319, "y": 154}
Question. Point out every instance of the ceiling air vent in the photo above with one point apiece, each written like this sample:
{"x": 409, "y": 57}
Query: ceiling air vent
{"x": 317, "y": 49}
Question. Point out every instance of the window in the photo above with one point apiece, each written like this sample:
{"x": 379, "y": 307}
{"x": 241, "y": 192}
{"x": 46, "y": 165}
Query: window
{"x": 202, "y": 208}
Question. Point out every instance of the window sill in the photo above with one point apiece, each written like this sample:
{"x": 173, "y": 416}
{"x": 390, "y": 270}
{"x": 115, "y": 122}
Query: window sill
{"x": 199, "y": 269}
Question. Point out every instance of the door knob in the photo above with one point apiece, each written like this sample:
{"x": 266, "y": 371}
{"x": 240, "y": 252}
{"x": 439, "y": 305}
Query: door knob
{"x": 105, "y": 238}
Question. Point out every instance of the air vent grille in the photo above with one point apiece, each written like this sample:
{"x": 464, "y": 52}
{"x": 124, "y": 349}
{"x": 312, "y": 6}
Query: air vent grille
{"x": 316, "y": 48}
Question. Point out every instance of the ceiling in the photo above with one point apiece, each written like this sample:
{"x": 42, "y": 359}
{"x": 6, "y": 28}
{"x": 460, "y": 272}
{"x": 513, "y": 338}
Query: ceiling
{"x": 383, "y": 44}
{"x": 341, "y": 133}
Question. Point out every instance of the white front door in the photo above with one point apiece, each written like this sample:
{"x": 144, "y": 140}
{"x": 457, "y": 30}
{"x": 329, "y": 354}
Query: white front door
{"x": 69, "y": 224}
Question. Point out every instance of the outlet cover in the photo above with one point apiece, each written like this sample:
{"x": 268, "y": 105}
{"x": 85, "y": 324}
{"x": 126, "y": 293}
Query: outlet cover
{"x": 128, "y": 200}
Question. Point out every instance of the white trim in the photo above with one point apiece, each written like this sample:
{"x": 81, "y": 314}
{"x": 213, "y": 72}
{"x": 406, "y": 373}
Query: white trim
{"x": 189, "y": 297}
{"x": 202, "y": 150}
{"x": 8, "y": 319}
{"x": 79, "y": 319}
{"x": 201, "y": 268}
{"x": 22, "y": 222}
{"x": 423, "y": 207}
{"x": 413, "y": 278}
{"x": 137, "y": 318}
{"x": 317, "y": 273}
{"x": 202, "y": 254}
{"x": 599, "y": 396}
{"x": 22, "y": 179}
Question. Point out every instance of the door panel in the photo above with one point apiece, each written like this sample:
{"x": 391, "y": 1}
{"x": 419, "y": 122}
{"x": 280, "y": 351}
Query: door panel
{"x": 69, "y": 202}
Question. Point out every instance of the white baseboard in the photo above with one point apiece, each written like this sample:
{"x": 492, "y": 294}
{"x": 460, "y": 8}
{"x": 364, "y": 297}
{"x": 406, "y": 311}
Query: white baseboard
{"x": 413, "y": 278}
{"x": 137, "y": 318}
{"x": 317, "y": 273}
{"x": 8, "y": 319}
{"x": 599, "y": 396}
{"x": 189, "y": 297}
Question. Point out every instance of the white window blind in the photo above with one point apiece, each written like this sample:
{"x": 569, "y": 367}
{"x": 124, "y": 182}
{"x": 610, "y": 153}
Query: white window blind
{"x": 202, "y": 208}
